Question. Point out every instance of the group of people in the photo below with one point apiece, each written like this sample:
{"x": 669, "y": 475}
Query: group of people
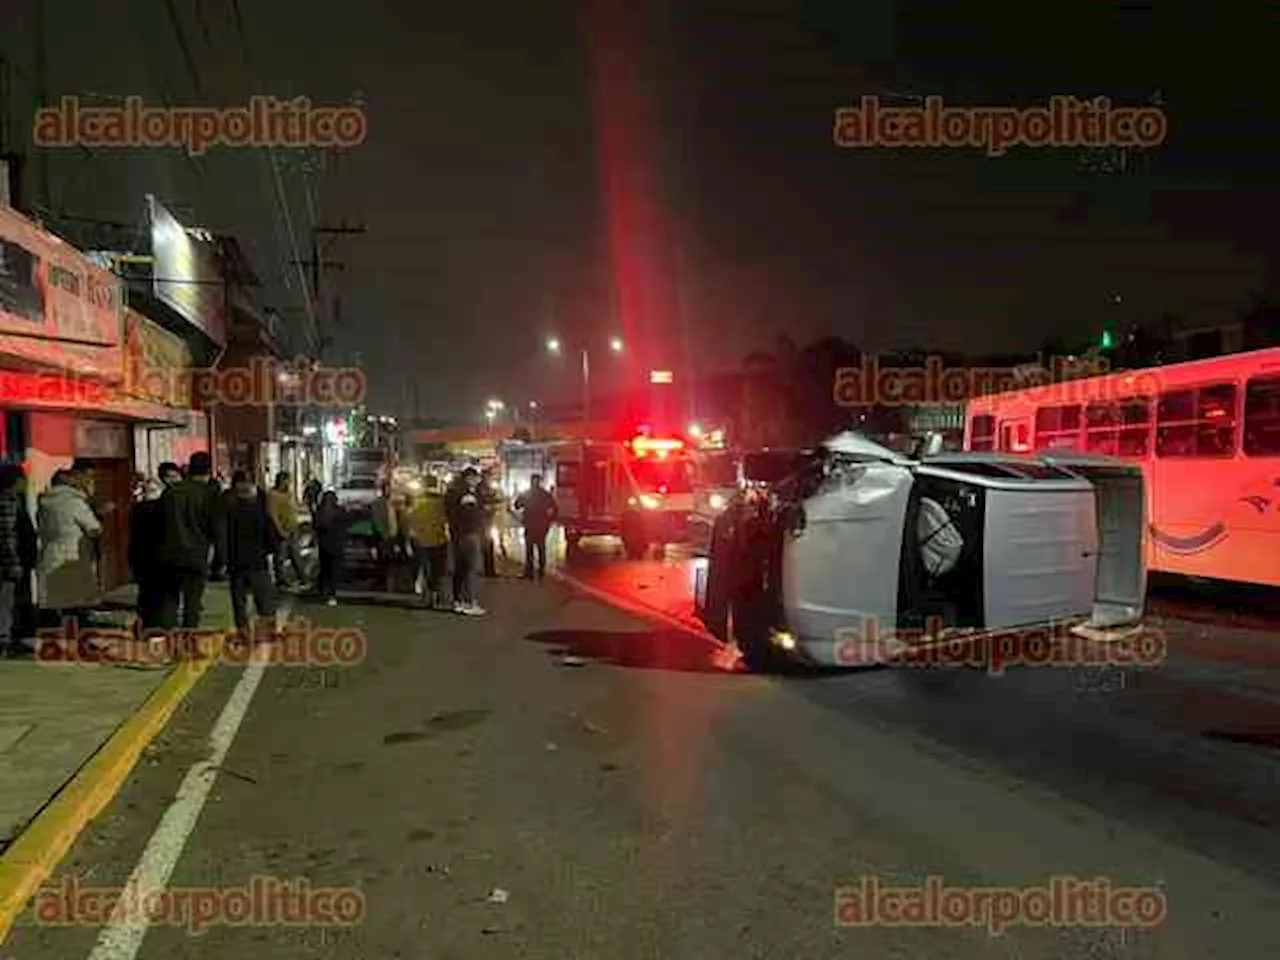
{"x": 439, "y": 532}
{"x": 187, "y": 528}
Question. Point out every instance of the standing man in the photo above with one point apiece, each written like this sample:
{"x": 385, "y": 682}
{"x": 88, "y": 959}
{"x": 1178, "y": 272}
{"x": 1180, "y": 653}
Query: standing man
{"x": 466, "y": 516}
{"x": 540, "y": 512}
{"x": 146, "y": 530}
{"x": 283, "y": 510}
{"x": 386, "y": 527}
{"x": 429, "y": 539}
{"x": 311, "y": 494}
{"x": 14, "y": 563}
{"x": 190, "y": 519}
{"x": 252, "y": 538}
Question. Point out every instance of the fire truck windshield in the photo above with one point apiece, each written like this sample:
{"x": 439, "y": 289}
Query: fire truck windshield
{"x": 659, "y": 476}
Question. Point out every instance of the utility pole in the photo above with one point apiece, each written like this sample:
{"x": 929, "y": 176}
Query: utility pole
{"x": 320, "y": 262}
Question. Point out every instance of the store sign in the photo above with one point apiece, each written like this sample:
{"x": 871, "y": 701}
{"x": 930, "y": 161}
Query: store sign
{"x": 187, "y": 274}
{"x": 56, "y": 306}
{"x": 101, "y": 439}
{"x": 157, "y": 364}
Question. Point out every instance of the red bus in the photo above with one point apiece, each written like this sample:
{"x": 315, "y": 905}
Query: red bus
{"x": 1207, "y": 434}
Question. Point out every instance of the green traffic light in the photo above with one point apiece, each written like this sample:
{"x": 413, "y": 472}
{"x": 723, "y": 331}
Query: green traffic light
{"x": 1108, "y": 341}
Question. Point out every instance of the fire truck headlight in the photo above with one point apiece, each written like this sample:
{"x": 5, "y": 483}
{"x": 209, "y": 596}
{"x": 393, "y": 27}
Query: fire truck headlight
{"x": 717, "y": 502}
{"x": 650, "y": 502}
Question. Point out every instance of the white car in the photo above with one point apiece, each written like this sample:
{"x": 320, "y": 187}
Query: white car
{"x": 358, "y": 492}
{"x": 867, "y": 554}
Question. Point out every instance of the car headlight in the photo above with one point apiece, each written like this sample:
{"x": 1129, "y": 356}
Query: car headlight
{"x": 649, "y": 501}
{"x": 717, "y": 502}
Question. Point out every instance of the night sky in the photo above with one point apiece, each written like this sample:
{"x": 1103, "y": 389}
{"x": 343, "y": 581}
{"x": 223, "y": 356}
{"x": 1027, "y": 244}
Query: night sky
{"x": 517, "y": 151}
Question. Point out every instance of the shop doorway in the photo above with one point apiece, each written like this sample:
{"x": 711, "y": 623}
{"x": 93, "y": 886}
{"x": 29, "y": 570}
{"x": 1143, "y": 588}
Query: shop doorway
{"x": 112, "y": 485}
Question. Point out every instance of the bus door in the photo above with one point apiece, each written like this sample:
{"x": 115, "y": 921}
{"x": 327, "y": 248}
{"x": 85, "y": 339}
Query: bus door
{"x": 1015, "y": 434}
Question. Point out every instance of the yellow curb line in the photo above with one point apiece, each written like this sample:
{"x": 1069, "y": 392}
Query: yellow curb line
{"x": 30, "y": 859}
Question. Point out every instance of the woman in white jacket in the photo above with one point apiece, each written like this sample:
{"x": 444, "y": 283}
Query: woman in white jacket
{"x": 68, "y": 571}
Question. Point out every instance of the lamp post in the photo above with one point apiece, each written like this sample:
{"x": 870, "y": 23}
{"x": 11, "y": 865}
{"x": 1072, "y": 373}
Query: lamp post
{"x": 554, "y": 347}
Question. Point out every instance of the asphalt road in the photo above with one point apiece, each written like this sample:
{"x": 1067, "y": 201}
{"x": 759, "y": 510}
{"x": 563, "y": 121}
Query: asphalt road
{"x": 489, "y": 799}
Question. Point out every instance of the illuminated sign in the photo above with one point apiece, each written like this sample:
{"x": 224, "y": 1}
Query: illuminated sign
{"x": 661, "y": 376}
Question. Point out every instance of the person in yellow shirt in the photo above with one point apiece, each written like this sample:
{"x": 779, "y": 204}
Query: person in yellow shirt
{"x": 429, "y": 537}
{"x": 283, "y": 510}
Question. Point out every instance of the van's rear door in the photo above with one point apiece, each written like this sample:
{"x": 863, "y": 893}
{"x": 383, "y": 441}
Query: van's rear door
{"x": 1120, "y": 492}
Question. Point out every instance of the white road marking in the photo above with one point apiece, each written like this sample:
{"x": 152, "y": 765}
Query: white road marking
{"x": 121, "y": 938}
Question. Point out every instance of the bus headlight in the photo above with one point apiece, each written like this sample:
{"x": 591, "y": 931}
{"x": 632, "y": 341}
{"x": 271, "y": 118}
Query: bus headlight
{"x": 717, "y": 502}
{"x": 649, "y": 501}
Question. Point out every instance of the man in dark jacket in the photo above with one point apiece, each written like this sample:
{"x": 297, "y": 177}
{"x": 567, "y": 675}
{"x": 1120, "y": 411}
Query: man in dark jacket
{"x": 539, "y": 512}
{"x": 191, "y": 528}
{"x": 146, "y": 531}
{"x": 251, "y": 540}
{"x": 466, "y": 514}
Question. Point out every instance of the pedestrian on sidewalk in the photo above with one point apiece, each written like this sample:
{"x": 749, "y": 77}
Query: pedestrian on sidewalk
{"x": 146, "y": 528}
{"x": 68, "y": 531}
{"x": 539, "y": 513}
{"x": 284, "y": 514}
{"x": 252, "y": 538}
{"x": 387, "y": 531}
{"x": 465, "y": 512}
{"x": 495, "y": 506}
{"x": 17, "y": 557}
{"x": 218, "y": 563}
{"x": 311, "y": 494}
{"x": 429, "y": 540}
{"x": 331, "y": 536}
{"x": 192, "y": 524}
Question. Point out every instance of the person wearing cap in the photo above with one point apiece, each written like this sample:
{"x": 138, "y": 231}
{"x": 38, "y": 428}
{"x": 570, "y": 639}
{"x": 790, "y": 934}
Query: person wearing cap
{"x": 465, "y": 511}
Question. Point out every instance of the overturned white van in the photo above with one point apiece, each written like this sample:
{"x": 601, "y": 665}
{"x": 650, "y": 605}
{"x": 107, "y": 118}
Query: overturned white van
{"x": 864, "y": 542}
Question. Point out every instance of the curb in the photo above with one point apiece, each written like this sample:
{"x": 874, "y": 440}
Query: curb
{"x": 29, "y": 860}
{"x": 640, "y": 609}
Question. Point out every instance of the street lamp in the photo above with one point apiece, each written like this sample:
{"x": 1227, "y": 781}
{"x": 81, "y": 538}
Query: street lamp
{"x": 616, "y": 345}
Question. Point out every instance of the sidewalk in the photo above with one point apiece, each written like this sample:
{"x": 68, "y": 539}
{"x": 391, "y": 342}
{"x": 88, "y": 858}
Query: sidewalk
{"x": 69, "y": 735}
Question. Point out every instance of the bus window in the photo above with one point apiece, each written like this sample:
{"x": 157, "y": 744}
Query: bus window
{"x": 982, "y": 432}
{"x": 1120, "y": 429}
{"x": 1262, "y": 418}
{"x": 1058, "y": 428}
{"x": 1197, "y": 423}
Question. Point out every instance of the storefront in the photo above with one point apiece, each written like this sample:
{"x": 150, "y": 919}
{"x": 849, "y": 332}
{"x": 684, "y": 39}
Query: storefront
{"x": 62, "y": 376}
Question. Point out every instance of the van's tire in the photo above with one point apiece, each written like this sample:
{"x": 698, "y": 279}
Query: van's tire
{"x": 715, "y": 613}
